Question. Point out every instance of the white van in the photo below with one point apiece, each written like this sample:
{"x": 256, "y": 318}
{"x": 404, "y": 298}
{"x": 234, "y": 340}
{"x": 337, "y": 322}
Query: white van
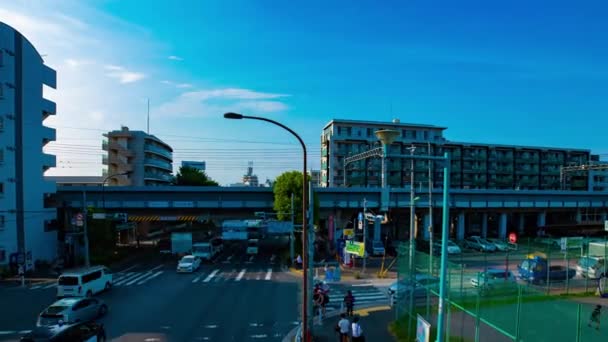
{"x": 84, "y": 282}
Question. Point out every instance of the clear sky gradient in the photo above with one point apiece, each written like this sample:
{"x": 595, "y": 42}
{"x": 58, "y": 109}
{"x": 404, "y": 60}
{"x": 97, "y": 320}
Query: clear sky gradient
{"x": 519, "y": 72}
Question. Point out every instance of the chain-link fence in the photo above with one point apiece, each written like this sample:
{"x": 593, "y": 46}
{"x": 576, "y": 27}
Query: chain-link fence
{"x": 538, "y": 290}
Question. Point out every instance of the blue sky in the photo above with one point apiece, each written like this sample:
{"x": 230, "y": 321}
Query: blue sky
{"x": 511, "y": 73}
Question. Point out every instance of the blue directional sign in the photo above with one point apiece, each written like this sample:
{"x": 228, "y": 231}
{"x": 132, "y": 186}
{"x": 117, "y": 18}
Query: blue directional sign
{"x": 360, "y": 217}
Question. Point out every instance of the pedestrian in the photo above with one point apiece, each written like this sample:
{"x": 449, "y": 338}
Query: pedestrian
{"x": 595, "y": 317}
{"x": 317, "y": 299}
{"x": 349, "y": 302}
{"x": 299, "y": 262}
{"x": 356, "y": 331}
{"x": 342, "y": 328}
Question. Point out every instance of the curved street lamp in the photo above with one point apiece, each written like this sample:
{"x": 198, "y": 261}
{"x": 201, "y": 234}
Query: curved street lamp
{"x": 305, "y": 328}
{"x": 103, "y": 186}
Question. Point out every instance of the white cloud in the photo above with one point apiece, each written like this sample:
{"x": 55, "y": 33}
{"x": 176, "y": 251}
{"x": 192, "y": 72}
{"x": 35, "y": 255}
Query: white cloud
{"x": 210, "y": 102}
{"x": 124, "y": 75}
{"x": 183, "y": 85}
{"x": 175, "y": 58}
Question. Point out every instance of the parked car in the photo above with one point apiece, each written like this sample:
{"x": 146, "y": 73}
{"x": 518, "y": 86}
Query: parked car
{"x": 401, "y": 289}
{"x": 188, "y": 264}
{"x": 453, "y": 248}
{"x": 592, "y": 267}
{"x": 479, "y": 244}
{"x": 494, "y": 281}
{"x": 77, "y": 332}
{"x": 84, "y": 282}
{"x": 534, "y": 270}
{"x": 72, "y": 310}
{"x": 500, "y": 245}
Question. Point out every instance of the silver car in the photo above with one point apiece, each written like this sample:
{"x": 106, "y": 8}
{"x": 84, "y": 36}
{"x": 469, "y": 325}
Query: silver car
{"x": 72, "y": 310}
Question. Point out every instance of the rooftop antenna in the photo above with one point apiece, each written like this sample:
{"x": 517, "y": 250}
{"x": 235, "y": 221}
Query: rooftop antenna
{"x": 148, "y": 116}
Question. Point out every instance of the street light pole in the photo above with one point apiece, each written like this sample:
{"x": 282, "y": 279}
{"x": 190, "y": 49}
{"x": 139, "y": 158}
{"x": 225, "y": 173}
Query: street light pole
{"x": 412, "y": 244}
{"x": 364, "y": 235}
{"x": 103, "y": 186}
{"x": 305, "y": 251}
{"x": 444, "y": 250}
{"x": 85, "y": 229}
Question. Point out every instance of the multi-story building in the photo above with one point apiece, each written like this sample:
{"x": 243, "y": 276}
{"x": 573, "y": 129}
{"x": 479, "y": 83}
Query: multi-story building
{"x": 199, "y": 165}
{"x": 250, "y": 179}
{"x": 137, "y": 158}
{"x": 25, "y": 223}
{"x": 315, "y": 177}
{"x": 474, "y": 165}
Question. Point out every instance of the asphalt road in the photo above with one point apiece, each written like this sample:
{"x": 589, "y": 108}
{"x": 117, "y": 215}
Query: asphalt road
{"x": 236, "y": 298}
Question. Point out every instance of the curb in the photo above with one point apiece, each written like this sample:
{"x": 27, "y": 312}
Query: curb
{"x": 292, "y": 333}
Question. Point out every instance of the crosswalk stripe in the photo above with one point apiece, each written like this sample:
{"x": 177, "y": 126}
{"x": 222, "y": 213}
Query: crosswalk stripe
{"x": 268, "y": 274}
{"x": 123, "y": 276}
{"x": 125, "y": 279}
{"x": 36, "y": 287}
{"x": 241, "y": 274}
{"x": 195, "y": 280}
{"x": 151, "y": 277}
{"x": 210, "y": 276}
{"x": 134, "y": 280}
{"x": 50, "y": 286}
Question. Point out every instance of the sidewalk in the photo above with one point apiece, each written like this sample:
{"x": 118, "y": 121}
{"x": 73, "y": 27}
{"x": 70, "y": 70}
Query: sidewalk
{"x": 374, "y": 322}
{"x": 350, "y": 276}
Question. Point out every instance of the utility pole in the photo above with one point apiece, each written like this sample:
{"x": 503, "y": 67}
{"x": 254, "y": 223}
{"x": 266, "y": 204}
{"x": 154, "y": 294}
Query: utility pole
{"x": 291, "y": 235}
{"x": 310, "y": 252}
{"x": 364, "y": 234}
{"x": 430, "y": 227}
{"x": 412, "y": 241}
{"x": 87, "y": 261}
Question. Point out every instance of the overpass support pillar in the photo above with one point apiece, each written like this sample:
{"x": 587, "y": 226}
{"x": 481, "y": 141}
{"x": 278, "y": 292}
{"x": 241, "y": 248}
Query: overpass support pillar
{"x": 460, "y": 229}
{"x": 502, "y": 226}
{"x": 425, "y": 229}
{"x": 541, "y": 219}
{"x": 521, "y": 223}
{"x": 377, "y": 228}
{"x": 484, "y": 225}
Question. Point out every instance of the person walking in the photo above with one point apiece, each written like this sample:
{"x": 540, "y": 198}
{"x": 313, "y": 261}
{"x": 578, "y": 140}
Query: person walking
{"x": 356, "y": 331}
{"x": 595, "y": 317}
{"x": 349, "y": 302}
{"x": 342, "y": 328}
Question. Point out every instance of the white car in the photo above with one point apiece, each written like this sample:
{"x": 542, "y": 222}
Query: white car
{"x": 402, "y": 288}
{"x": 188, "y": 264}
{"x": 452, "y": 247}
{"x": 494, "y": 280}
{"x": 480, "y": 244}
{"x": 501, "y": 245}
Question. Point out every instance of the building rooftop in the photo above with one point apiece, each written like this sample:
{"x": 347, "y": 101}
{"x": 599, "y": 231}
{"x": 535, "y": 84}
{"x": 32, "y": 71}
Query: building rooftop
{"x": 395, "y": 122}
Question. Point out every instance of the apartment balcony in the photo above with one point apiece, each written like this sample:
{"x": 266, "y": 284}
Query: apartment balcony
{"x": 553, "y": 161}
{"x": 529, "y": 159}
{"x": 158, "y": 163}
{"x": 553, "y": 172}
{"x": 48, "y": 161}
{"x": 112, "y": 145}
{"x": 527, "y": 172}
{"x": 158, "y": 151}
{"x": 104, "y": 145}
{"x": 504, "y": 170}
{"x": 104, "y": 160}
{"x": 157, "y": 176}
{"x": 48, "y": 108}
{"x": 504, "y": 158}
{"x": 121, "y": 163}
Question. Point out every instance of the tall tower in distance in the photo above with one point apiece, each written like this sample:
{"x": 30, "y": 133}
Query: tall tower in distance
{"x": 250, "y": 179}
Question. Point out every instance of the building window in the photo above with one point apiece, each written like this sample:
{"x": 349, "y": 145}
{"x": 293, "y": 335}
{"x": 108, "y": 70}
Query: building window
{"x": 426, "y": 135}
{"x": 369, "y": 132}
{"x": 1, "y": 188}
{"x": 349, "y": 131}
{"x": 1, "y": 124}
{"x": 1, "y": 91}
{"x": 2, "y": 255}
{"x": 414, "y": 134}
{"x": 339, "y": 130}
{"x": 1, "y": 222}
{"x": 358, "y": 132}
{"x": 404, "y": 133}
{"x": 1, "y": 155}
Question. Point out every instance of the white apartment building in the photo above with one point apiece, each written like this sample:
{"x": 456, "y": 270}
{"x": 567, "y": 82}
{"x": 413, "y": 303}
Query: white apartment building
{"x": 26, "y": 226}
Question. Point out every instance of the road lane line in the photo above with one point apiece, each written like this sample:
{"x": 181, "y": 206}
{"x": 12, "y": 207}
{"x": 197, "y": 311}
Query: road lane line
{"x": 8, "y": 332}
{"x": 122, "y": 277}
{"x": 155, "y": 268}
{"x": 127, "y": 278}
{"x": 210, "y": 276}
{"x": 136, "y": 279}
{"x": 362, "y": 285}
{"x": 268, "y": 274}
{"x": 241, "y": 274}
{"x": 151, "y": 277}
{"x": 50, "y": 286}
{"x": 128, "y": 268}
{"x": 195, "y": 280}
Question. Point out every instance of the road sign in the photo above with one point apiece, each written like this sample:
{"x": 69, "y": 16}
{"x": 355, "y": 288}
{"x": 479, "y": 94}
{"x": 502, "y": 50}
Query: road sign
{"x": 606, "y": 225}
{"x": 99, "y": 216}
{"x": 513, "y": 238}
{"x": 349, "y": 232}
{"x": 360, "y": 217}
{"x": 354, "y": 247}
{"x": 360, "y": 224}
{"x": 79, "y": 219}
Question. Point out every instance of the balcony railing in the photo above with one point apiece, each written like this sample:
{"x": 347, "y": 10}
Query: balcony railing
{"x": 158, "y": 163}
{"x": 158, "y": 176}
{"x": 104, "y": 160}
{"x": 158, "y": 150}
{"x": 104, "y": 145}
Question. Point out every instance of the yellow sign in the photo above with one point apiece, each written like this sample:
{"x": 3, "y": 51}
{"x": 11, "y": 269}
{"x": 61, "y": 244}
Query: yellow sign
{"x": 354, "y": 247}
{"x": 349, "y": 232}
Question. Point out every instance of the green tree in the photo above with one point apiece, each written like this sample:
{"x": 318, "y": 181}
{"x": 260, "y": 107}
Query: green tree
{"x": 288, "y": 183}
{"x": 193, "y": 177}
{"x": 102, "y": 239}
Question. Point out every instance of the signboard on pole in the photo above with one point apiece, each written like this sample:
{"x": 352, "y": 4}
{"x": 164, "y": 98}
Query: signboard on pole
{"x": 357, "y": 248}
{"x": 79, "y": 219}
{"x": 423, "y": 330}
{"x": 606, "y": 225}
{"x": 360, "y": 224}
{"x": 99, "y": 216}
{"x": 349, "y": 232}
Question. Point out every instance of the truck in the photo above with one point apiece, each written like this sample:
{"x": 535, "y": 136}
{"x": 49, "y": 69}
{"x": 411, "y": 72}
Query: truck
{"x": 207, "y": 250}
{"x": 181, "y": 243}
{"x": 535, "y": 269}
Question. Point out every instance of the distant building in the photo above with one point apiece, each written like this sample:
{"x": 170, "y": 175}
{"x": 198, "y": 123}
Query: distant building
{"x": 598, "y": 179}
{"x": 147, "y": 159}
{"x": 315, "y": 177}
{"x": 26, "y": 225}
{"x": 199, "y": 165}
{"x": 76, "y": 180}
{"x": 250, "y": 179}
{"x": 473, "y": 166}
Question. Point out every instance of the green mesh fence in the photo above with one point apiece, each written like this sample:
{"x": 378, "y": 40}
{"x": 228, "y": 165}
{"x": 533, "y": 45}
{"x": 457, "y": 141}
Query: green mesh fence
{"x": 489, "y": 302}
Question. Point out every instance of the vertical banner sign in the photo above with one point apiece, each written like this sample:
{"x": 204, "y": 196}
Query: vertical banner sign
{"x": 331, "y": 227}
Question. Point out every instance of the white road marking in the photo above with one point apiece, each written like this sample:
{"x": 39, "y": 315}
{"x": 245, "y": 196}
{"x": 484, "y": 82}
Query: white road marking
{"x": 127, "y": 278}
{"x": 268, "y": 274}
{"x": 362, "y": 285}
{"x": 210, "y": 326}
{"x": 256, "y": 324}
{"x": 195, "y": 280}
{"x": 210, "y": 276}
{"x": 250, "y": 261}
{"x": 8, "y": 332}
{"x": 50, "y": 286}
{"x": 24, "y": 332}
{"x": 155, "y": 268}
{"x": 123, "y": 277}
{"x": 241, "y": 274}
{"x": 128, "y": 268}
{"x": 152, "y": 339}
{"x": 134, "y": 280}
{"x": 37, "y": 287}
{"x": 259, "y": 336}
{"x": 152, "y": 277}
{"x": 258, "y": 277}
{"x": 227, "y": 261}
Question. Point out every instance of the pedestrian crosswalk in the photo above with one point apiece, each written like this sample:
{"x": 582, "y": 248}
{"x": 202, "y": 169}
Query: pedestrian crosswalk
{"x": 233, "y": 275}
{"x": 364, "y": 296}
